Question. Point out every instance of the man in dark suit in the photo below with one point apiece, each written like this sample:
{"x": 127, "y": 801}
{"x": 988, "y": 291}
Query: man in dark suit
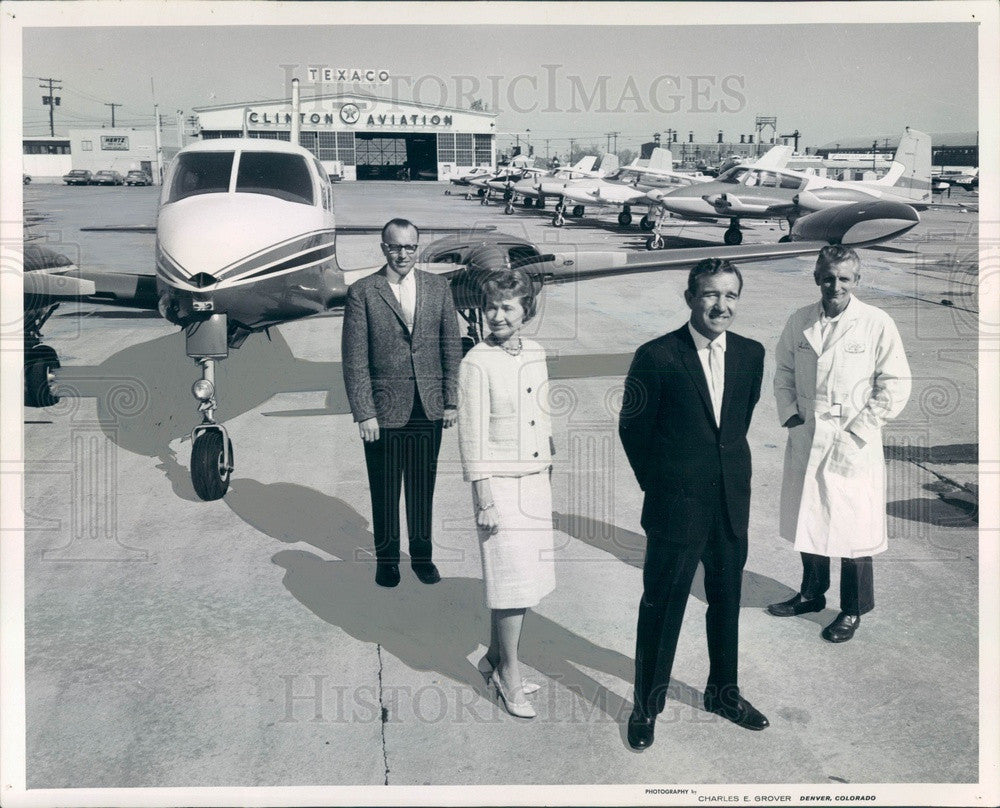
{"x": 401, "y": 351}
{"x": 689, "y": 397}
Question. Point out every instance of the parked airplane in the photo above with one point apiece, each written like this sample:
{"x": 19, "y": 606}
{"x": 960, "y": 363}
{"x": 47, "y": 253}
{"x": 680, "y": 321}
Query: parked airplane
{"x": 532, "y": 189}
{"x": 629, "y": 186}
{"x": 755, "y": 192}
{"x": 245, "y": 240}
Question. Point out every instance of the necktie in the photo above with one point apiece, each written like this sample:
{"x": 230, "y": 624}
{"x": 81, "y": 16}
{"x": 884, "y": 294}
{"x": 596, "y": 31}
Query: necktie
{"x": 408, "y": 298}
{"x": 717, "y": 366}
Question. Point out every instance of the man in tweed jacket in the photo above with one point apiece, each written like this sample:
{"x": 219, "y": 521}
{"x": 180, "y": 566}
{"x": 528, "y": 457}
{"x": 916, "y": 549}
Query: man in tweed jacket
{"x": 401, "y": 351}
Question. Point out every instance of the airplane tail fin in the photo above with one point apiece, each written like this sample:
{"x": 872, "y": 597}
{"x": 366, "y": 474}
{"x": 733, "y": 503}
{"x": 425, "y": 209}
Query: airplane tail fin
{"x": 609, "y": 163}
{"x": 661, "y": 158}
{"x": 911, "y": 167}
{"x": 774, "y": 158}
{"x": 584, "y": 163}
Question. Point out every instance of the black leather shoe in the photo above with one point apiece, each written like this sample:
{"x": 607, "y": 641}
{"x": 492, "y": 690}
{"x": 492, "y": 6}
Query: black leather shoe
{"x": 426, "y": 572}
{"x": 842, "y": 629}
{"x": 738, "y": 710}
{"x": 387, "y": 574}
{"x": 796, "y": 606}
{"x": 640, "y": 731}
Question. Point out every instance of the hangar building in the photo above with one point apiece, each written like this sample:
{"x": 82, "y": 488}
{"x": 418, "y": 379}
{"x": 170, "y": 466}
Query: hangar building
{"x": 365, "y": 137}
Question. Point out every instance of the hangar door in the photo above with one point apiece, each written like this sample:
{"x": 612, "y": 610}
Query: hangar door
{"x": 392, "y": 157}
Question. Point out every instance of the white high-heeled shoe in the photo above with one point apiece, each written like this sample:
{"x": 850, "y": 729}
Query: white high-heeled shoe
{"x": 520, "y": 709}
{"x": 486, "y": 669}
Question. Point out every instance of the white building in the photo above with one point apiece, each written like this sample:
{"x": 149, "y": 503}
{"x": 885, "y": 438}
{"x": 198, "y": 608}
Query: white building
{"x": 120, "y": 149}
{"x": 359, "y": 136}
{"x": 46, "y": 159}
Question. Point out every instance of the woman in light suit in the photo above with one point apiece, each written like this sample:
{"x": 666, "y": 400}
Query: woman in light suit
{"x": 505, "y": 441}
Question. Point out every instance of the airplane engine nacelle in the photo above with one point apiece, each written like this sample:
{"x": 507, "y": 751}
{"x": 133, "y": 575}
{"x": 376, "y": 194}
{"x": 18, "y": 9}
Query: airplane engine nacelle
{"x": 856, "y": 224}
{"x": 823, "y": 198}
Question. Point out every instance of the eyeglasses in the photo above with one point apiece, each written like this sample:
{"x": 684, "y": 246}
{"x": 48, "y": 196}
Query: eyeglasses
{"x": 399, "y": 248}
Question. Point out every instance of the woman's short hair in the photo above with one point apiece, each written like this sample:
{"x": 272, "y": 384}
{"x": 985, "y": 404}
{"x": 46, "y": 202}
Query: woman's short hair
{"x": 503, "y": 284}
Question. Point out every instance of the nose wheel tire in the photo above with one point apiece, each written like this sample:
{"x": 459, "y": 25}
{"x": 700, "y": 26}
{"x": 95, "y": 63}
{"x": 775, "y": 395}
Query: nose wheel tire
{"x": 557, "y": 220}
{"x": 40, "y": 364}
{"x": 654, "y": 243}
{"x": 508, "y": 208}
{"x": 784, "y": 239}
{"x": 210, "y": 472}
{"x": 733, "y": 237}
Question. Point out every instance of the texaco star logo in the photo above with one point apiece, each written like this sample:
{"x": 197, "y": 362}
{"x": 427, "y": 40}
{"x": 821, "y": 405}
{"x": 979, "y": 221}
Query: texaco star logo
{"x": 349, "y": 113}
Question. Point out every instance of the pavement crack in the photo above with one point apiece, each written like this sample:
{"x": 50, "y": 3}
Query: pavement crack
{"x": 383, "y": 713}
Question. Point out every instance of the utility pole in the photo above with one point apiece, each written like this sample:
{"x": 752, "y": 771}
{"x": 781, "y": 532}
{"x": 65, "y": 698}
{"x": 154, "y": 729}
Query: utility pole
{"x": 112, "y": 113}
{"x": 180, "y": 128}
{"x": 571, "y": 142}
{"x": 615, "y": 136}
{"x": 51, "y": 100}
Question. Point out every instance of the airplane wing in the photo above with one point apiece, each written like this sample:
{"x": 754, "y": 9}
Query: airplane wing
{"x": 345, "y": 230}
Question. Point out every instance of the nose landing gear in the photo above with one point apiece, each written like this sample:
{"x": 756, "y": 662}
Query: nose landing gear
{"x": 211, "y": 449}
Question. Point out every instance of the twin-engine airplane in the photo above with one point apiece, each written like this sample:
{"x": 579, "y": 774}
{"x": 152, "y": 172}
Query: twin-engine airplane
{"x": 757, "y": 192}
{"x": 245, "y": 240}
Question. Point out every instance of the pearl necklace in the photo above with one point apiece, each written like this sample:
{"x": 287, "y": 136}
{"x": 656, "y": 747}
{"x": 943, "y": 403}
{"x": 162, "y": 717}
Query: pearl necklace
{"x": 509, "y": 351}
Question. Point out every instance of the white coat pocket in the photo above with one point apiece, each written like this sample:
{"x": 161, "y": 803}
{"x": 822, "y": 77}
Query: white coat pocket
{"x": 846, "y": 456}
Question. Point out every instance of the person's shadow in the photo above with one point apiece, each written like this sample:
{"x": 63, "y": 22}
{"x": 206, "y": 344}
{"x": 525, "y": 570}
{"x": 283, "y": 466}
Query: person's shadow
{"x": 428, "y": 628}
{"x": 628, "y": 546}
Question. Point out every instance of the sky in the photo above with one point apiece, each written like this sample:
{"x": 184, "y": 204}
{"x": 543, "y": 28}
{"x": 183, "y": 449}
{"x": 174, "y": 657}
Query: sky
{"x": 829, "y": 81}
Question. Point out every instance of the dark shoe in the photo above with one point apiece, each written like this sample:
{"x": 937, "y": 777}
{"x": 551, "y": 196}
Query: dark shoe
{"x": 796, "y": 606}
{"x": 387, "y": 574}
{"x": 738, "y": 710}
{"x": 842, "y": 629}
{"x": 426, "y": 572}
{"x": 640, "y": 731}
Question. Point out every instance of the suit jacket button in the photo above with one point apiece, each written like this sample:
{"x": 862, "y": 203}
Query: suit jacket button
{"x": 531, "y": 423}
{"x": 535, "y": 454}
{"x": 529, "y": 389}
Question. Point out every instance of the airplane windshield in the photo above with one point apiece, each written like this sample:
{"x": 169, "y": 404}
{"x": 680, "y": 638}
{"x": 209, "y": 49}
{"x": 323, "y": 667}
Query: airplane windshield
{"x": 734, "y": 175}
{"x": 201, "y": 173}
{"x": 285, "y": 176}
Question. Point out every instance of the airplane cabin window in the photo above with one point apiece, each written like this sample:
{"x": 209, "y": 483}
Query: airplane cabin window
{"x": 734, "y": 175}
{"x": 201, "y": 173}
{"x": 768, "y": 179}
{"x": 792, "y": 183}
{"x": 285, "y": 176}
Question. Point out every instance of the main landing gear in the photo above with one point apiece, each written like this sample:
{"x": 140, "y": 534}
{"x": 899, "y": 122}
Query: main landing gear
{"x": 211, "y": 449}
{"x": 40, "y": 361}
{"x": 625, "y": 217}
{"x": 733, "y": 235}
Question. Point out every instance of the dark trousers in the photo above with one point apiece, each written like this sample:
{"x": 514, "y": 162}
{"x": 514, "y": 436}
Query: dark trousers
{"x": 666, "y": 576}
{"x": 404, "y": 456}
{"x": 857, "y": 583}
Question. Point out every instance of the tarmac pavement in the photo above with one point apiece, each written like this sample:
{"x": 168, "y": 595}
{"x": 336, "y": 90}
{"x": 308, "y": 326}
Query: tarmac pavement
{"x": 243, "y": 642}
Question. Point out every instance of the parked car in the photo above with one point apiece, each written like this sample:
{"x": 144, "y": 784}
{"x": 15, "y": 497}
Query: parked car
{"x": 108, "y": 177}
{"x": 25, "y": 179}
{"x": 138, "y": 178}
{"x": 78, "y": 176}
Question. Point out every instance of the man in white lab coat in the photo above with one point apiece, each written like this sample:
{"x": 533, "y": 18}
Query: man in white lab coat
{"x": 841, "y": 374}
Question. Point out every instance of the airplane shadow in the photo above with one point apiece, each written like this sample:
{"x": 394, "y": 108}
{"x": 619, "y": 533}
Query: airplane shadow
{"x": 428, "y": 628}
{"x": 143, "y": 392}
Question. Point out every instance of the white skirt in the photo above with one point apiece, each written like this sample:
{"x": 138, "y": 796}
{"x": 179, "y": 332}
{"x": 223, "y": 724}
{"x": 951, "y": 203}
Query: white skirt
{"x": 519, "y": 559}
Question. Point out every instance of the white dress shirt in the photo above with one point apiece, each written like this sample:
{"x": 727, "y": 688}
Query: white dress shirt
{"x": 714, "y": 365}
{"x": 405, "y": 291}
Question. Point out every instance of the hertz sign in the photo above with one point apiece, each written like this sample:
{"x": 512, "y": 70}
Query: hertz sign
{"x": 114, "y": 142}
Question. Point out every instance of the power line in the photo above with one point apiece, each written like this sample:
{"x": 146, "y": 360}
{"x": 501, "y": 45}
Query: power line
{"x": 51, "y": 99}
